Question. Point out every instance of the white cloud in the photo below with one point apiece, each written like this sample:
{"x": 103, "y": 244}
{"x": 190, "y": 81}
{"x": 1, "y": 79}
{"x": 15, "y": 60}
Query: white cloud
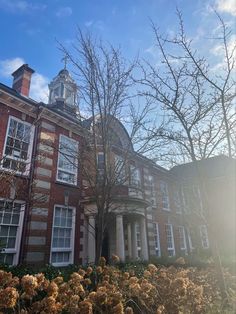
{"x": 153, "y": 51}
{"x": 39, "y": 88}
{"x": 20, "y": 6}
{"x": 219, "y": 51}
{"x": 39, "y": 83}
{"x": 64, "y": 12}
{"x": 99, "y": 24}
{"x": 227, "y": 6}
{"x": 8, "y": 66}
{"x": 88, "y": 23}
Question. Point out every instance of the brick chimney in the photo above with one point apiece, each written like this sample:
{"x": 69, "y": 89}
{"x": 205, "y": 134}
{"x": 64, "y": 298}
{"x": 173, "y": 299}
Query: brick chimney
{"x": 22, "y": 79}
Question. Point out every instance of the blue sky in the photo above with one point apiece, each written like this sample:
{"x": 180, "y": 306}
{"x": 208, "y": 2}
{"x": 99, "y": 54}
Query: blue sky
{"x": 30, "y": 30}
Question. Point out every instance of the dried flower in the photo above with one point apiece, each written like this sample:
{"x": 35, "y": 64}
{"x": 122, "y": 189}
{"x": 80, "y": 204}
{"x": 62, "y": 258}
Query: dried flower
{"x": 118, "y": 309}
{"x": 129, "y": 310}
{"x": 89, "y": 271}
{"x": 147, "y": 274}
{"x": 133, "y": 280}
{"x": 160, "y": 309}
{"x": 87, "y": 281}
{"x": 8, "y": 297}
{"x": 29, "y": 284}
{"x": 152, "y": 268}
{"x": 180, "y": 261}
{"x": 85, "y": 307}
{"x": 115, "y": 258}
{"x": 52, "y": 289}
{"x": 99, "y": 270}
{"x": 82, "y": 272}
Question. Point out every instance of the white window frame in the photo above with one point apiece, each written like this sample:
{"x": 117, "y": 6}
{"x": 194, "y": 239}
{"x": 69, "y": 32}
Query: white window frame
{"x": 151, "y": 186}
{"x": 16, "y": 250}
{"x": 190, "y": 242}
{"x": 71, "y": 248}
{"x": 198, "y": 198}
{"x": 172, "y": 248}
{"x": 177, "y": 201}
{"x": 157, "y": 239}
{"x": 100, "y": 154}
{"x": 30, "y": 148}
{"x": 75, "y": 173}
{"x": 204, "y": 236}
{"x": 164, "y": 191}
{"x": 182, "y": 235}
{"x": 185, "y": 203}
{"x": 135, "y": 177}
{"x": 119, "y": 171}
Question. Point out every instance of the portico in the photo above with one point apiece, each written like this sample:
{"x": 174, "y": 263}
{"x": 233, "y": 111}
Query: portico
{"x": 127, "y": 237}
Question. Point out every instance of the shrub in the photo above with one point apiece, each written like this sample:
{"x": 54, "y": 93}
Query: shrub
{"x": 121, "y": 288}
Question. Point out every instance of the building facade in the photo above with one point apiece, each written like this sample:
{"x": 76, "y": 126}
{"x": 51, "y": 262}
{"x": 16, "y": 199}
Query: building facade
{"x": 48, "y": 215}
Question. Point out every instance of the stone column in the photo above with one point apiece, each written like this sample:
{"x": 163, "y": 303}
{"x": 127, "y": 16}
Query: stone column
{"x": 120, "y": 244}
{"x": 134, "y": 241}
{"x": 129, "y": 234}
{"x": 91, "y": 239}
{"x": 143, "y": 235}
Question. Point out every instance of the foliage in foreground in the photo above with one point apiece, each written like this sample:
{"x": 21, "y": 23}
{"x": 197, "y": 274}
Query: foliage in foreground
{"x": 107, "y": 289}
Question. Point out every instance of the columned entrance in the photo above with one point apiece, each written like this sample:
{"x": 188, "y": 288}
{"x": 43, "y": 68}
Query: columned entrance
{"x": 126, "y": 236}
{"x": 130, "y": 226}
{"x": 120, "y": 241}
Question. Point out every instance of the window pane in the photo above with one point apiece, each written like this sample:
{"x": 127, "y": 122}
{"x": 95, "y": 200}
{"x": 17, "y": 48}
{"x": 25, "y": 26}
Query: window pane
{"x": 9, "y": 224}
{"x": 61, "y": 242}
{"x": 169, "y": 238}
{"x": 15, "y": 219}
{"x": 12, "y": 231}
{"x": 17, "y": 145}
{"x": 11, "y": 243}
{"x": 3, "y": 231}
{"x": 55, "y": 242}
{"x": 62, "y": 235}
{"x": 6, "y": 258}
{"x": 67, "y": 160}
{"x": 57, "y": 221}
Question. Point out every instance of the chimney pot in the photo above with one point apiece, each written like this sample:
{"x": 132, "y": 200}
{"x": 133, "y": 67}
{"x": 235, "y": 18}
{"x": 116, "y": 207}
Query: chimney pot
{"x": 22, "y": 79}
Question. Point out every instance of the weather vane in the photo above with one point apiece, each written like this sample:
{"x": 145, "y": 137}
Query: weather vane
{"x": 65, "y": 60}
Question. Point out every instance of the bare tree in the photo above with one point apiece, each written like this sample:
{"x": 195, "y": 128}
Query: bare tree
{"x": 104, "y": 82}
{"x": 198, "y": 117}
{"x": 196, "y": 102}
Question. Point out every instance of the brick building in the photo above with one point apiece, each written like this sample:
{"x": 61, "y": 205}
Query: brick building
{"x": 47, "y": 216}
